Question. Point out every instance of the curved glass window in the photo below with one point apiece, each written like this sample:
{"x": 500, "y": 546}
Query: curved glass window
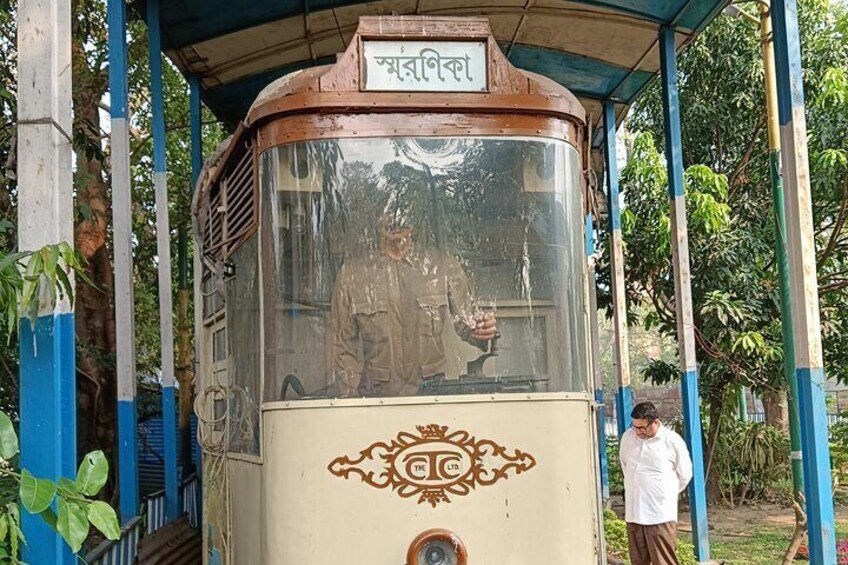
{"x": 422, "y": 266}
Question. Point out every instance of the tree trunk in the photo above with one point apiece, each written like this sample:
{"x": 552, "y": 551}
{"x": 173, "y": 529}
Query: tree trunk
{"x": 713, "y": 485}
{"x": 776, "y": 407}
{"x": 95, "y": 322}
{"x": 185, "y": 376}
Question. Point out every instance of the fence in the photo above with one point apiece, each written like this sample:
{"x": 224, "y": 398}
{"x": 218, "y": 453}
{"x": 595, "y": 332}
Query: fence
{"x": 156, "y": 505}
{"x": 611, "y": 425}
{"x": 123, "y": 550}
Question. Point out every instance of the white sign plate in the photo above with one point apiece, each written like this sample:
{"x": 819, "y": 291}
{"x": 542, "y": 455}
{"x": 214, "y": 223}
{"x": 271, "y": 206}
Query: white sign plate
{"x": 425, "y": 66}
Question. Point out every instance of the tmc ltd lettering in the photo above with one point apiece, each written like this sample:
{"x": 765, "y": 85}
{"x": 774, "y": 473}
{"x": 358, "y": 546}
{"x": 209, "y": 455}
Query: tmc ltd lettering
{"x": 433, "y": 465}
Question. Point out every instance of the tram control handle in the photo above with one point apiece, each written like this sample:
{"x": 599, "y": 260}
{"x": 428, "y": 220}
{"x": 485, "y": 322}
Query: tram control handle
{"x": 475, "y": 368}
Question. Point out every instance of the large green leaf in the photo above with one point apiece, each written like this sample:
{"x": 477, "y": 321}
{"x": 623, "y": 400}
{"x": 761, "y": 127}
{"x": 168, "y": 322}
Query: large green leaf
{"x": 67, "y": 487}
{"x": 73, "y": 523}
{"x": 103, "y": 518}
{"x": 8, "y": 438}
{"x": 92, "y": 473}
{"x": 36, "y": 494}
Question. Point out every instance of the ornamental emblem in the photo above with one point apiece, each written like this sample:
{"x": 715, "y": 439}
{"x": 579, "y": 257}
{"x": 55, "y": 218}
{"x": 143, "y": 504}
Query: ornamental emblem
{"x": 433, "y": 464}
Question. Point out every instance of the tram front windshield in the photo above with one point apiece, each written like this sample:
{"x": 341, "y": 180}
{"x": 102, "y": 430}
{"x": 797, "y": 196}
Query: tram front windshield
{"x": 422, "y": 266}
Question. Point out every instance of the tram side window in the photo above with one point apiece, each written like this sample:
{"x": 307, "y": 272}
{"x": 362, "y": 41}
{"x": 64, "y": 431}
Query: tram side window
{"x": 423, "y": 266}
{"x": 243, "y": 323}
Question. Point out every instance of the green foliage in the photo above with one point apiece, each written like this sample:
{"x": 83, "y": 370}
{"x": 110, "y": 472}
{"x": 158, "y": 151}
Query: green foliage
{"x": 735, "y": 289}
{"x": 8, "y": 438}
{"x": 615, "y": 535}
{"x": 77, "y": 511}
{"x": 616, "y": 477}
{"x": 26, "y": 276}
{"x": 729, "y": 198}
{"x": 752, "y": 462}
{"x": 839, "y": 451}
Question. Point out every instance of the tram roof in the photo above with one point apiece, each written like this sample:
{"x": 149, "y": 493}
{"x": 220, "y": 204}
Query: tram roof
{"x": 598, "y": 49}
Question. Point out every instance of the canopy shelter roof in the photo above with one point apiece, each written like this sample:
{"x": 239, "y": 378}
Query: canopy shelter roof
{"x": 598, "y": 49}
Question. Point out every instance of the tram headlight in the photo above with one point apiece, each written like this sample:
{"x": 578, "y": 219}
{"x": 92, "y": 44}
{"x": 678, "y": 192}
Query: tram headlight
{"x": 437, "y": 547}
{"x": 435, "y": 553}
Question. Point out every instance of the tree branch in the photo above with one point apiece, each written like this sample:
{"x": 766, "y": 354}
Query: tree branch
{"x": 837, "y": 228}
{"x": 746, "y": 157}
{"x": 830, "y": 287}
{"x": 798, "y": 535}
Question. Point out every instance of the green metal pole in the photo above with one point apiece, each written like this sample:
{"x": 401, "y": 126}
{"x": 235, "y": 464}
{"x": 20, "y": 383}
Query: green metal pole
{"x": 184, "y": 358}
{"x": 743, "y": 405}
{"x": 782, "y": 256}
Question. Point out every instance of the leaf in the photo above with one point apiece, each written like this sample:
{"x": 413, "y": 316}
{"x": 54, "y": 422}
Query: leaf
{"x": 8, "y": 438}
{"x": 11, "y": 259}
{"x": 36, "y": 494}
{"x": 73, "y": 523}
{"x": 50, "y": 519}
{"x": 103, "y": 518}
{"x": 92, "y": 473}
{"x": 4, "y": 529}
{"x": 51, "y": 260}
{"x": 16, "y": 534}
{"x": 66, "y": 287}
{"x": 67, "y": 487}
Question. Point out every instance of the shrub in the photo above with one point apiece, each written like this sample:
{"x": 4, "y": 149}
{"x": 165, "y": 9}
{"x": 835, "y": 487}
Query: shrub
{"x": 752, "y": 462}
{"x": 616, "y": 477}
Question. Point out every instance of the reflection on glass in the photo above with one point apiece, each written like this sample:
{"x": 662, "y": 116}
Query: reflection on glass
{"x": 407, "y": 266}
{"x": 243, "y": 352}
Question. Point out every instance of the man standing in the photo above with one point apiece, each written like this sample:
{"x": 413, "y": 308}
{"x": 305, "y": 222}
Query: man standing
{"x": 656, "y": 468}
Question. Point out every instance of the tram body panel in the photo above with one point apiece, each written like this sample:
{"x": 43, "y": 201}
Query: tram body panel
{"x": 350, "y": 406}
{"x": 247, "y": 502}
{"x": 536, "y": 515}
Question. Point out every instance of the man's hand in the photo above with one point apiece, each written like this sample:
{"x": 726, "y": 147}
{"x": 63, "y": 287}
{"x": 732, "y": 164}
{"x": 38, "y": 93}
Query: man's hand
{"x": 483, "y": 326}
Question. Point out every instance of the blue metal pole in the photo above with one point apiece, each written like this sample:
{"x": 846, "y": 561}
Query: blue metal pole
{"x": 596, "y": 361}
{"x": 621, "y": 351}
{"x": 48, "y": 418}
{"x": 195, "y": 127}
{"x": 122, "y": 241}
{"x": 195, "y": 119}
{"x": 169, "y": 412}
{"x": 683, "y": 294}
{"x": 806, "y": 324}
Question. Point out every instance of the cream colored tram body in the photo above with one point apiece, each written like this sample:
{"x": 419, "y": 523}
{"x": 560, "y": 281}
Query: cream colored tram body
{"x": 487, "y": 455}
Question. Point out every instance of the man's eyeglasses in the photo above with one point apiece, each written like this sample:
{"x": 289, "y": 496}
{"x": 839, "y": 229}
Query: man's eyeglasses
{"x": 642, "y": 428}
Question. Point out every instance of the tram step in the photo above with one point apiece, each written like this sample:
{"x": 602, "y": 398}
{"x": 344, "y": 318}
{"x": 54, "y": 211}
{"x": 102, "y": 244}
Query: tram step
{"x": 174, "y": 544}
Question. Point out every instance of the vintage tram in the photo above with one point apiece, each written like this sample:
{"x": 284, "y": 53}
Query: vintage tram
{"x": 396, "y": 356}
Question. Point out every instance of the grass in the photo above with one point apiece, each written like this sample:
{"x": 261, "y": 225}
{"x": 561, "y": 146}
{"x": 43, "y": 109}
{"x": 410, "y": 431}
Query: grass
{"x": 765, "y": 546}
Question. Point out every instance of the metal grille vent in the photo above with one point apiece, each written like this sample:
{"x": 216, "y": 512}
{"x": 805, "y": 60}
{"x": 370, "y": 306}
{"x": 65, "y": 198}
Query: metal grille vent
{"x": 233, "y": 203}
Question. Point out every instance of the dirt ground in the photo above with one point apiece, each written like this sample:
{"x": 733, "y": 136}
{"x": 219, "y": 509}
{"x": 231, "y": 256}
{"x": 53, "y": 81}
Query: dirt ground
{"x": 726, "y": 521}
{"x": 739, "y": 521}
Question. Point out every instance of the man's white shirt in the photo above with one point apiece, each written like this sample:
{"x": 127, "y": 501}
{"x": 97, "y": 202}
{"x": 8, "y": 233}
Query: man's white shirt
{"x": 656, "y": 471}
